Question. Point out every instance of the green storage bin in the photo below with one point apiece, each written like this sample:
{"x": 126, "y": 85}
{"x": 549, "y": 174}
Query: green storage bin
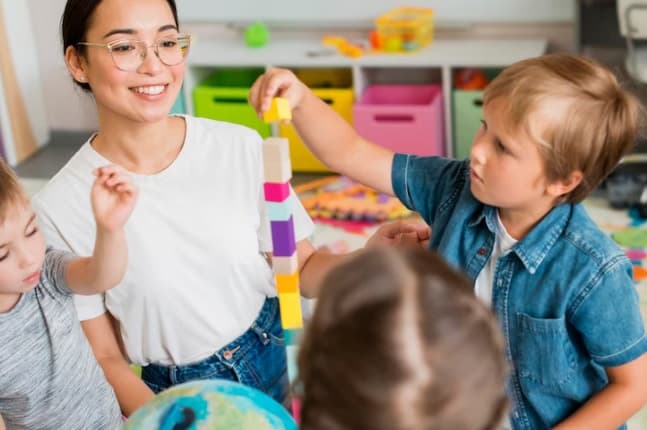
{"x": 467, "y": 114}
{"x": 223, "y": 96}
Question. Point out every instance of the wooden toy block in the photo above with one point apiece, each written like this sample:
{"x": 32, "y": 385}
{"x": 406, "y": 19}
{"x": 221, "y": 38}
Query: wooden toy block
{"x": 276, "y": 192}
{"x": 276, "y": 150}
{"x": 283, "y": 243}
{"x": 290, "y": 305}
{"x": 287, "y": 283}
{"x": 279, "y": 110}
{"x": 291, "y": 352}
{"x": 292, "y": 337}
{"x": 279, "y": 211}
{"x": 277, "y": 173}
{"x": 285, "y": 265}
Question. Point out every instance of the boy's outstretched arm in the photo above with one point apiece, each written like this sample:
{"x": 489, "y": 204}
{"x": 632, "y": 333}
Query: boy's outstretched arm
{"x": 616, "y": 403}
{"x": 314, "y": 264}
{"x": 329, "y": 136}
{"x": 103, "y": 335}
{"x": 113, "y": 199}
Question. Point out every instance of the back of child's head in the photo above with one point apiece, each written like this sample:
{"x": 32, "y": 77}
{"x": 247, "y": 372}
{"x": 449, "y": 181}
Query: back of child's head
{"x": 11, "y": 192}
{"x": 592, "y": 120}
{"x": 399, "y": 341}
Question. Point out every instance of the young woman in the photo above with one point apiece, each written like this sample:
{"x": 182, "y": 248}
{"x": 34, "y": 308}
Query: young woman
{"x": 197, "y": 300}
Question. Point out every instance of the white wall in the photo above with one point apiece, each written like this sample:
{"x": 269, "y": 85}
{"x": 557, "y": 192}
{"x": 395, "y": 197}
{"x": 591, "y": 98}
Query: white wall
{"x": 336, "y": 11}
{"x": 67, "y": 107}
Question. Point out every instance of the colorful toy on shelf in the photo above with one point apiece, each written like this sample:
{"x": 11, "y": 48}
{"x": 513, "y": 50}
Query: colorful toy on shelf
{"x": 470, "y": 79}
{"x": 403, "y": 29}
{"x": 257, "y": 35}
{"x": 344, "y": 46}
{"x": 277, "y": 175}
{"x": 342, "y": 199}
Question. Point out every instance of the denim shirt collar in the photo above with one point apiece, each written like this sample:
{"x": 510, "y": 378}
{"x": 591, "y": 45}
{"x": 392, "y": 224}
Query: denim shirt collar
{"x": 533, "y": 248}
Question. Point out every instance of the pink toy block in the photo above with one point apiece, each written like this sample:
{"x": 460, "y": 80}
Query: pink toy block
{"x": 276, "y": 192}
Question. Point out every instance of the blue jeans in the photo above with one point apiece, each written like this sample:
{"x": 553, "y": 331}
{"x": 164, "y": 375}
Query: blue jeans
{"x": 256, "y": 358}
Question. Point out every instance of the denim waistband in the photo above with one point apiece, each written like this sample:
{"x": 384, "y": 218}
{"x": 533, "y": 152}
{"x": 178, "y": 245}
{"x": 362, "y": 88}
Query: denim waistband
{"x": 235, "y": 350}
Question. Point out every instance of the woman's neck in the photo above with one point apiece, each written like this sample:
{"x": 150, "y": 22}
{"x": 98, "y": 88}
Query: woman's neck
{"x": 143, "y": 148}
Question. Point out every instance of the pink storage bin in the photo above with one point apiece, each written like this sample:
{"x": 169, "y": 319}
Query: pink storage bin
{"x": 403, "y": 118}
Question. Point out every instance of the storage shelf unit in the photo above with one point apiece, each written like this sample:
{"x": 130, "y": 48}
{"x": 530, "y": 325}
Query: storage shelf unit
{"x": 434, "y": 64}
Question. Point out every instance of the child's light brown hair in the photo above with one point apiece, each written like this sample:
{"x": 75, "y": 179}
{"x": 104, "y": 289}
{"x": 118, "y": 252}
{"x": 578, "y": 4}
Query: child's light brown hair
{"x": 601, "y": 121}
{"x": 399, "y": 341}
{"x": 11, "y": 192}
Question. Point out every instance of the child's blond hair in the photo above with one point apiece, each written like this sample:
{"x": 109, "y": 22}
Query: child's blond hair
{"x": 600, "y": 123}
{"x": 399, "y": 341}
{"x": 11, "y": 192}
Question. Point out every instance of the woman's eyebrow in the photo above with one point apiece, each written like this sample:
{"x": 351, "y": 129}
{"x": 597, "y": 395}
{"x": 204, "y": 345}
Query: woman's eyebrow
{"x": 130, "y": 31}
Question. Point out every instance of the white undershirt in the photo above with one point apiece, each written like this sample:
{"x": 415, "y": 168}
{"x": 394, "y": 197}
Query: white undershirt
{"x": 484, "y": 283}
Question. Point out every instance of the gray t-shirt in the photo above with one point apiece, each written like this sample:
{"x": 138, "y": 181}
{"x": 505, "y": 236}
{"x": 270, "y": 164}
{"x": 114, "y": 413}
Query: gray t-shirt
{"x": 49, "y": 378}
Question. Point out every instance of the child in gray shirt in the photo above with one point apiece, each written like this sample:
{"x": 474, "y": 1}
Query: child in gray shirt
{"x": 49, "y": 378}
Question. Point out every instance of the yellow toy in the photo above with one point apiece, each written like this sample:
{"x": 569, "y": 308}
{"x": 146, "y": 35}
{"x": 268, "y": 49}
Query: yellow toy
{"x": 279, "y": 110}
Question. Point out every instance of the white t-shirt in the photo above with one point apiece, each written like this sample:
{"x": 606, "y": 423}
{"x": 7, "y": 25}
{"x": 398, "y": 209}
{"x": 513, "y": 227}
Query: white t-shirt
{"x": 196, "y": 277}
{"x": 484, "y": 283}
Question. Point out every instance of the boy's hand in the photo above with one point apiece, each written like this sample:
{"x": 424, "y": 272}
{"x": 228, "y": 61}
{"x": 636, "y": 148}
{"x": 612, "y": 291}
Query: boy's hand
{"x": 276, "y": 83}
{"x": 401, "y": 233}
{"x": 113, "y": 197}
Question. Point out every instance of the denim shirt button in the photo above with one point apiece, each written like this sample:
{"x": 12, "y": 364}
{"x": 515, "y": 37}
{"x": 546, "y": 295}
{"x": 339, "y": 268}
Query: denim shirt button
{"x": 481, "y": 251}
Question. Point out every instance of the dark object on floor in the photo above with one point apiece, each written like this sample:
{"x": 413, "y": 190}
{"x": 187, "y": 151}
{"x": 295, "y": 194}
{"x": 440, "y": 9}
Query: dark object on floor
{"x": 627, "y": 185}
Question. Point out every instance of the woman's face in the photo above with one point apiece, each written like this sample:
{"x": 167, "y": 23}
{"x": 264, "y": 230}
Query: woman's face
{"x": 147, "y": 93}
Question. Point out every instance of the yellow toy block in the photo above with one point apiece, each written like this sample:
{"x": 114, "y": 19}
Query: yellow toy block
{"x": 279, "y": 110}
{"x": 290, "y": 305}
{"x": 287, "y": 283}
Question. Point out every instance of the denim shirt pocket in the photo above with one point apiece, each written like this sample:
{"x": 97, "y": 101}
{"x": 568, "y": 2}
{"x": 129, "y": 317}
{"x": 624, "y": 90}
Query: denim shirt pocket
{"x": 546, "y": 355}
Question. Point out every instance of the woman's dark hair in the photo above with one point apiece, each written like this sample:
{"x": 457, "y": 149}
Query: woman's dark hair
{"x": 76, "y": 20}
{"x": 399, "y": 341}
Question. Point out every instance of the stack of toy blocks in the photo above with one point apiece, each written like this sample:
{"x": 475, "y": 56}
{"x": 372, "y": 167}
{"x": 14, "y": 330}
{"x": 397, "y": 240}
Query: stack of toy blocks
{"x": 278, "y": 172}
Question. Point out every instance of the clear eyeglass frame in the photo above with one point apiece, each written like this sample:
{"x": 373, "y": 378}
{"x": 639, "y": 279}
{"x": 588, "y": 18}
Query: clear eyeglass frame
{"x": 128, "y": 54}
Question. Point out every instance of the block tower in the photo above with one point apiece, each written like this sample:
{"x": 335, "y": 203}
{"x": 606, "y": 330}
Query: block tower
{"x": 278, "y": 172}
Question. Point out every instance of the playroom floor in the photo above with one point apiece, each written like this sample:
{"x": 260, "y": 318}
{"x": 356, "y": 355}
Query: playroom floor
{"x": 630, "y": 233}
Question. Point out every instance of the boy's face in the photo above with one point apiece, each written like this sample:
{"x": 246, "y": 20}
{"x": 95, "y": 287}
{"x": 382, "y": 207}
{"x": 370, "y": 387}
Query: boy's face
{"x": 507, "y": 170}
{"x": 22, "y": 251}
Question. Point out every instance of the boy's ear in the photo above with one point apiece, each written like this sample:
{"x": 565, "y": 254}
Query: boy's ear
{"x": 564, "y": 186}
{"x": 75, "y": 64}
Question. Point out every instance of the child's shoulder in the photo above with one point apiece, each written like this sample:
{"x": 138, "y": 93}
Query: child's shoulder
{"x": 597, "y": 246}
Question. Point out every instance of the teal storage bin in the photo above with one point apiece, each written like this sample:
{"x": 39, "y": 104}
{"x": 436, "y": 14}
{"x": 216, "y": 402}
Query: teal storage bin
{"x": 178, "y": 106}
{"x": 467, "y": 115}
{"x": 223, "y": 96}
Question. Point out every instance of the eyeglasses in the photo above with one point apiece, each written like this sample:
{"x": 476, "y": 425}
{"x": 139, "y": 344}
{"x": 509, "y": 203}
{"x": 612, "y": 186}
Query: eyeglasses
{"x": 128, "y": 55}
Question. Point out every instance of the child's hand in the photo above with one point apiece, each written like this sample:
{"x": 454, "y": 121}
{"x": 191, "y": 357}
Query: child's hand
{"x": 276, "y": 83}
{"x": 113, "y": 197}
{"x": 401, "y": 233}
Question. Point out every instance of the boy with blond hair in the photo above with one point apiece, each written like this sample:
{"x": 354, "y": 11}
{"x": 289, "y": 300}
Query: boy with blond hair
{"x": 553, "y": 128}
{"x": 50, "y": 378}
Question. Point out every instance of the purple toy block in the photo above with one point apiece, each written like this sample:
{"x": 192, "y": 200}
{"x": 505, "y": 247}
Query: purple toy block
{"x": 283, "y": 243}
{"x": 276, "y": 192}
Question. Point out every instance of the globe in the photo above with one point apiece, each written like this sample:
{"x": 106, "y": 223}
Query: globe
{"x": 214, "y": 405}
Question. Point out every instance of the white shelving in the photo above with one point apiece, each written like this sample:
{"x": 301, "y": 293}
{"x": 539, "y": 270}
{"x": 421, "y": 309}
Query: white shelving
{"x": 432, "y": 64}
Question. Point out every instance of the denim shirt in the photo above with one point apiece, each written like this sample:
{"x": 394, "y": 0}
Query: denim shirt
{"x": 563, "y": 294}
